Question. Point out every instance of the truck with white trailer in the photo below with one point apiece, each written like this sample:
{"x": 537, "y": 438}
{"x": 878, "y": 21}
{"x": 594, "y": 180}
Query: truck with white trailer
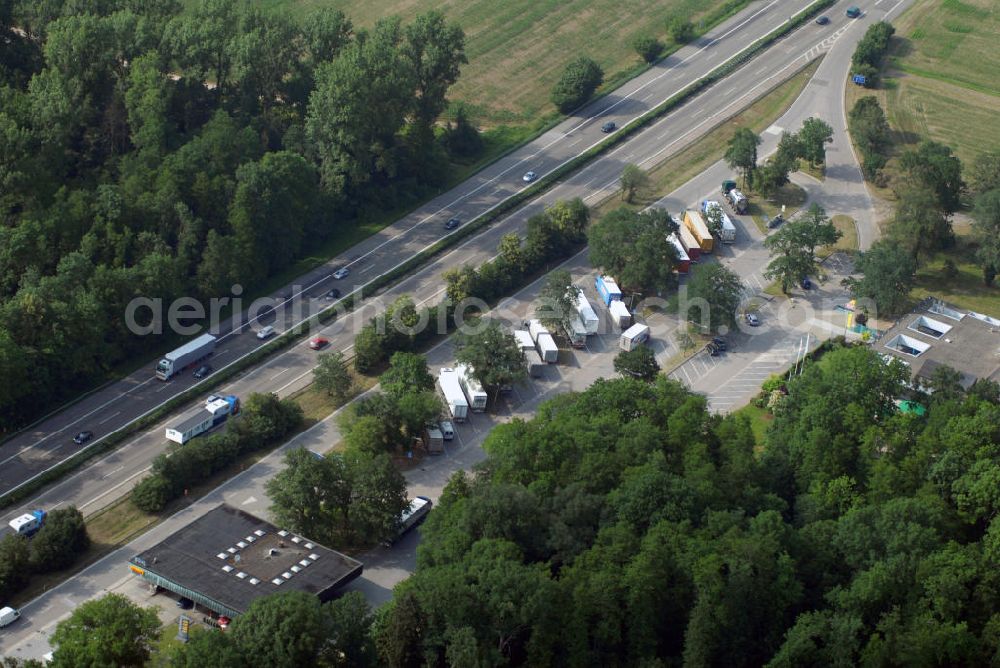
{"x": 216, "y": 411}
{"x": 588, "y": 317}
{"x": 633, "y": 337}
{"x": 620, "y": 315}
{"x": 454, "y": 397}
{"x": 575, "y": 332}
{"x": 186, "y": 356}
{"x": 544, "y": 342}
{"x": 607, "y": 289}
{"x": 473, "y": 388}
{"x": 683, "y": 265}
{"x": 533, "y": 362}
{"x": 727, "y": 231}
{"x": 524, "y": 340}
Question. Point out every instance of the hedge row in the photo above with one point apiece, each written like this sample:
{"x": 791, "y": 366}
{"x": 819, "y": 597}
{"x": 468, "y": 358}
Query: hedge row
{"x": 264, "y": 421}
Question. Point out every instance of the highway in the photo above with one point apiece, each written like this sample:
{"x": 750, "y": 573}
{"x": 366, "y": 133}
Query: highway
{"x": 385, "y": 568}
{"x": 47, "y": 443}
{"x": 112, "y": 475}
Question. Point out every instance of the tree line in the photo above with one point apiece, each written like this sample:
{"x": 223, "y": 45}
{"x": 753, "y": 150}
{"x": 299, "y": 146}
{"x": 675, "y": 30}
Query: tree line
{"x": 146, "y": 151}
{"x": 264, "y": 421}
{"x": 628, "y": 525}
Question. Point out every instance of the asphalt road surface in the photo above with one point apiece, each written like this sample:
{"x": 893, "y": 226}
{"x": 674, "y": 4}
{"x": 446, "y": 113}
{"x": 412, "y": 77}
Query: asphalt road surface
{"x": 577, "y": 370}
{"x": 96, "y": 485}
{"x": 47, "y": 443}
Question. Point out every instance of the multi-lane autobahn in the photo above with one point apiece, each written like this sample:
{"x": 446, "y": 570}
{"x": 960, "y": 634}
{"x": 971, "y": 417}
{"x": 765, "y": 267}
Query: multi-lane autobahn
{"x": 112, "y": 475}
{"x": 49, "y": 442}
{"x": 843, "y": 192}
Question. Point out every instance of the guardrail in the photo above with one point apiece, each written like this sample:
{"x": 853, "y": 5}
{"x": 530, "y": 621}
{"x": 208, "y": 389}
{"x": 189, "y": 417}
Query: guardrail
{"x": 351, "y": 300}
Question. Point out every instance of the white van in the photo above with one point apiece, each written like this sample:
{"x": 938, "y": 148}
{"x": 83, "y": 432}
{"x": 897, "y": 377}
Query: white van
{"x": 265, "y": 332}
{"x": 447, "y": 430}
{"x": 8, "y": 616}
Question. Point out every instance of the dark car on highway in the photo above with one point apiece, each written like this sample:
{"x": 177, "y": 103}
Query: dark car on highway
{"x": 853, "y": 12}
{"x": 203, "y": 371}
{"x": 822, "y": 20}
{"x": 608, "y": 127}
{"x": 452, "y": 224}
{"x": 332, "y": 294}
{"x": 83, "y": 437}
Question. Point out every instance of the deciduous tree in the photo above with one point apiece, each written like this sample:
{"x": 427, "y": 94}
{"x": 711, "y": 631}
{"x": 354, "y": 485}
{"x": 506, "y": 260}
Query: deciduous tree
{"x": 493, "y": 354}
{"x": 887, "y": 275}
{"x": 741, "y": 153}
{"x": 331, "y": 376}
{"x": 578, "y": 82}
{"x": 638, "y": 363}
{"x": 108, "y": 631}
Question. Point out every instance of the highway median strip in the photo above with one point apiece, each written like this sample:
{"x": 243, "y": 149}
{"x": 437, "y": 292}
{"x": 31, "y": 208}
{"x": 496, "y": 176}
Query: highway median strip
{"x": 351, "y": 301}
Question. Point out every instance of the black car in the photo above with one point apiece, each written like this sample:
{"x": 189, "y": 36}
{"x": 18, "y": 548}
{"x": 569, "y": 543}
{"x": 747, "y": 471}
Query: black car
{"x": 822, "y": 20}
{"x": 332, "y": 294}
{"x": 83, "y": 437}
{"x": 452, "y": 224}
{"x": 203, "y": 371}
{"x": 712, "y": 349}
{"x": 774, "y": 222}
{"x": 185, "y": 603}
{"x": 608, "y": 127}
{"x": 806, "y": 284}
{"x": 719, "y": 343}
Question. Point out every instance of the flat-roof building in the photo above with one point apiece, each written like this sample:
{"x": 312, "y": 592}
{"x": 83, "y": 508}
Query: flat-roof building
{"x": 228, "y": 558}
{"x": 938, "y": 334}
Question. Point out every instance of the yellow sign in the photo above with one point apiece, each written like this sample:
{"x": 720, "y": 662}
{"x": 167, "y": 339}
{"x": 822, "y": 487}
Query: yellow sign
{"x": 136, "y": 569}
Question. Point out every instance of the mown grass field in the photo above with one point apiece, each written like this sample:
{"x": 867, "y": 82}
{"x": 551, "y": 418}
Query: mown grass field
{"x": 944, "y": 81}
{"x": 518, "y": 48}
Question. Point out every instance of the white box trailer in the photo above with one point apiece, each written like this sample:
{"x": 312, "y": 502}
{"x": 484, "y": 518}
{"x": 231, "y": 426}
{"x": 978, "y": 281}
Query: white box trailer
{"x": 633, "y": 337}
{"x": 533, "y": 362}
{"x": 620, "y": 315}
{"x": 473, "y": 389}
{"x": 177, "y": 360}
{"x": 524, "y": 340}
{"x": 451, "y": 389}
{"x": 727, "y": 231}
{"x": 547, "y": 348}
{"x": 588, "y": 317}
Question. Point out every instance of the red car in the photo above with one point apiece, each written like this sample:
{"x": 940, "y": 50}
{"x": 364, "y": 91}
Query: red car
{"x": 318, "y": 343}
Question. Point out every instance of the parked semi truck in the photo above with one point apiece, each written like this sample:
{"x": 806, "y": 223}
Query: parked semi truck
{"x": 696, "y": 225}
{"x": 633, "y": 337}
{"x": 691, "y": 245}
{"x": 575, "y": 332}
{"x": 727, "y": 231}
{"x": 683, "y": 265}
{"x": 607, "y": 289}
{"x": 736, "y": 199}
{"x": 454, "y": 397}
{"x": 533, "y": 362}
{"x": 216, "y": 411}
{"x": 187, "y": 355}
{"x": 26, "y": 525}
{"x": 473, "y": 388}
{"x": 588, "y": 317}
{"x": 524, "y": 340}
{"x": 544, "y": 342}
{"x": 620, "y": 315}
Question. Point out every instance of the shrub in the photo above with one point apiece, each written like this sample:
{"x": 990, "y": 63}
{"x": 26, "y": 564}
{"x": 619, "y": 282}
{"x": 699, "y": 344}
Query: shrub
{"x": 649, "y": 48}
{"x": 579, "y": 81}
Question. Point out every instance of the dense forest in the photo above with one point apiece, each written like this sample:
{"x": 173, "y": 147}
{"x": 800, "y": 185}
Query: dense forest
{"x": 146, "y": 151}
{"x": 627, "y": 525}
